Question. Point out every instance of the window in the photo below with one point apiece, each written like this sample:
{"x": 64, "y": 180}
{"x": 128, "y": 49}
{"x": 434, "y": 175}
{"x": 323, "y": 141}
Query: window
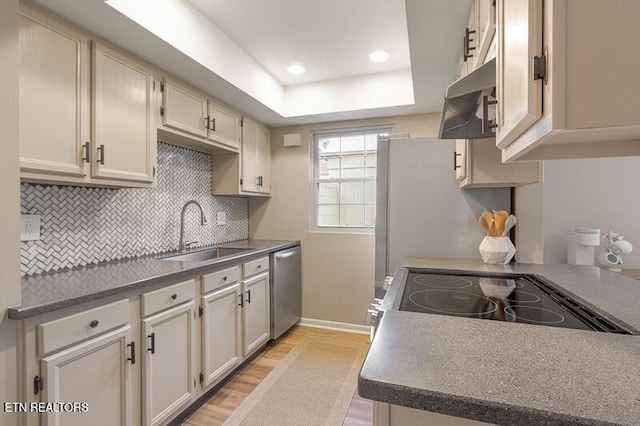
{"x": 344, "y": 179}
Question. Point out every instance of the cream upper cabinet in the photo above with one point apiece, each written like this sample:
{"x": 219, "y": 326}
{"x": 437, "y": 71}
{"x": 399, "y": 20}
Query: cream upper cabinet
{"x": 567, "y": 85}
{"x": 224, "y": 126}
{"x": 190, "y": 118}
{"x": 519, "y": 94}
{"x": 485, "y": 15}
{"x": 123, "y": 126}
{"x": 183, "y": 109}
{"x": 478, "y": 164}
{"x": 263, "y": 160}
{"x": 247, "y": 173}
{"x": 248, "y": 160}
{"x": 54, "y": 83}
{"x": 168, "y": 363}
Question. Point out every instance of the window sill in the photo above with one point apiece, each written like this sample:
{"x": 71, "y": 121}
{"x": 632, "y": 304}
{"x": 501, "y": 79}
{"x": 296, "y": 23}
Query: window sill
{"x": 341, "y": 231}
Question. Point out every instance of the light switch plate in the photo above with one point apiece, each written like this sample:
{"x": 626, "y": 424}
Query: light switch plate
{"x": 30, "y": 229}
{"x": 221, "y": 218}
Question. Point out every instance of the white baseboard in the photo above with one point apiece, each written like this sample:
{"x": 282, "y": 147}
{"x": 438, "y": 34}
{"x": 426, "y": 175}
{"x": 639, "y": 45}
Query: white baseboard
{"x": 333, "y": 325}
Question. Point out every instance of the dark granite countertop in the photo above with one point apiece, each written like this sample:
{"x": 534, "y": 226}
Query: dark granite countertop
{"x": 511, "y": 373}
{"x": 56, "y": 290}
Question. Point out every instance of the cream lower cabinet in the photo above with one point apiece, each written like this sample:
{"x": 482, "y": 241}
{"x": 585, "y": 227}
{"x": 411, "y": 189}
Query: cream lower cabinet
{"x": 95, "y": 372}
{"x": 395, "y": 415}
{"x": 221, "y": 332}
{"x": 555, "y": 100}
{"x": 85, "y": 358}
{"x": 256, "y": 311}
{"x": 168, "y": 363}
{"x": 478, "y": 164}
{"x": 169, "y": 351}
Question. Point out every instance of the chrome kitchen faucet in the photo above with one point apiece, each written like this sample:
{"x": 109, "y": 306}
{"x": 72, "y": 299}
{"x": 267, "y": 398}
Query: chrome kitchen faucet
{"x": 183, "y": 245}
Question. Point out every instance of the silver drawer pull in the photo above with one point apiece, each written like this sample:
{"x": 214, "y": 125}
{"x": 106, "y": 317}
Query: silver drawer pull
{"x": 93, "y": 324}
{"x": 174, "y": 296}
{"x": 224, "y": 278}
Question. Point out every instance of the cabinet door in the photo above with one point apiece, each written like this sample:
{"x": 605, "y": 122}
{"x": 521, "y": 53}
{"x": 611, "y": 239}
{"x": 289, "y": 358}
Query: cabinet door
{"x": 96, "y": 372}
{"x": 168, "y": 363}
{"x": 460, "y": 159}
{"x": 123, "y": 129}
{"x": 221, "y": 332}
{"x": 263, "y": 160}
{"x": 256, "y": 312}
{"x": 485, "y": 28}
{"x": 53, "y": 98}
{"x": 224, "y": 127}
{"x": 248, "y": 156}
{"x": 519, "y": 95}
{"x": 184, "y": 109}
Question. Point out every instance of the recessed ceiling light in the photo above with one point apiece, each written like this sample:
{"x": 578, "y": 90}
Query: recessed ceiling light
{"x": 379, "y": 56}
{"x": 296, "y": 69}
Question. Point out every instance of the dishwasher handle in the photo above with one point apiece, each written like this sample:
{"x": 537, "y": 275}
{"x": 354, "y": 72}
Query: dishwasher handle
{"x": 287, "y": 254}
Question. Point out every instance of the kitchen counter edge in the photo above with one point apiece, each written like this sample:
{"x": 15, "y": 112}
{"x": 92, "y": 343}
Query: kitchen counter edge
{"x": 158, "y": 271}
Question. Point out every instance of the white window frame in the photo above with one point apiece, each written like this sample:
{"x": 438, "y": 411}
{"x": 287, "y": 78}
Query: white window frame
{"x": 313, "y": 187}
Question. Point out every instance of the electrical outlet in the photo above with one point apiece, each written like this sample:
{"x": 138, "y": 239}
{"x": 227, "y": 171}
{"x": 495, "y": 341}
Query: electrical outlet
{"x": 221, "y": 218}
{"x": 30, "y": 229}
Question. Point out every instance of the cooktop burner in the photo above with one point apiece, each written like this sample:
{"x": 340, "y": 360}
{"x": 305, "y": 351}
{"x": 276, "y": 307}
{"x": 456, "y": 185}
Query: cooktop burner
{"x": 524, "y": 299}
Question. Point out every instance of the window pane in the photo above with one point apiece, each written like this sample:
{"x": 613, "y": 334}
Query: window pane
{"x": 352, "y": 192}
{"x": 370, "y": 192}
{"x": 329, "y": 168}
{"x": 328, "y": 193}
{"x": 352, "y": 143}
{"x": 371, "y": 164}
{"x": 328, "y": 216}
{"x": 352, "y": 215}
{"x": 329, "y": 145}
{"x": 352, "y": 166}
{"x": 370, "y": 215}
{"x": 371, "y": 141}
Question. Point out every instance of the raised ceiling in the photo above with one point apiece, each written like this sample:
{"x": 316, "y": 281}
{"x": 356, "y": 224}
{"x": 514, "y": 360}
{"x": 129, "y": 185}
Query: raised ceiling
{"x": 238, "y": 51}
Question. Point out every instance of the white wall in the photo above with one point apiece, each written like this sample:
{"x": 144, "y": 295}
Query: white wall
{"x": 337, "y": 269}
{"x": 10, "y": 197}
{"x": 592, "y": 193}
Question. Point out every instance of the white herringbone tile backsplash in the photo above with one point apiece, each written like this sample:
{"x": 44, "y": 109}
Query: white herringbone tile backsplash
{"x": 82, "y": 226}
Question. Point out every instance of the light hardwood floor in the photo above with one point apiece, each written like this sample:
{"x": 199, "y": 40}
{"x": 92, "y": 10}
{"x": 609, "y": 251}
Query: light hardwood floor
{"x": 217, "y": 409}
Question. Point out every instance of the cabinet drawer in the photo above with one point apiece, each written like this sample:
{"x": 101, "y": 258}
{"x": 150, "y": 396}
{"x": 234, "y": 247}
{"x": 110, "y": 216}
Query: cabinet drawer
{"x": 255, "y": 266}
{"x": 55, "y": 334}
{"x": 167, "y": 297}
{"x": 220, "y": 279}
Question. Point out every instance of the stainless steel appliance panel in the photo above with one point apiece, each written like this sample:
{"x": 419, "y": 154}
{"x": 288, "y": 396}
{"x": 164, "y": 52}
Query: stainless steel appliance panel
{"x": 286, "y": 290}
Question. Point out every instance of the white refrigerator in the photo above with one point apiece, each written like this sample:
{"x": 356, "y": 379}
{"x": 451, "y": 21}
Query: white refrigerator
{"x": 420, "y": 209}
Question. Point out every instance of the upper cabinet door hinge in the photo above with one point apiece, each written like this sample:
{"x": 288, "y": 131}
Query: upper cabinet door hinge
{"x": 38, "y": 382}
{"x": 540, "y": 67}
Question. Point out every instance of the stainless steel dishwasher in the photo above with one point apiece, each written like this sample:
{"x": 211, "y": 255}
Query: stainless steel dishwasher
{"x": 286, "y": 290}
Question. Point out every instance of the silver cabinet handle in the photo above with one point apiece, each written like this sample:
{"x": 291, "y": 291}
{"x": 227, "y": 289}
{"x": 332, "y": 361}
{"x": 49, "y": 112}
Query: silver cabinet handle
{"x": 487, "y": 124}
{"x": 101, "y": 154}
{"x": 86, "y": 152}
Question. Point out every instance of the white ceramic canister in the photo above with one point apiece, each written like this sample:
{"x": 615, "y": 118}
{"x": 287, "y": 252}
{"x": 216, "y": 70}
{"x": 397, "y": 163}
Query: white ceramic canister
{"x": 497, "y": 250}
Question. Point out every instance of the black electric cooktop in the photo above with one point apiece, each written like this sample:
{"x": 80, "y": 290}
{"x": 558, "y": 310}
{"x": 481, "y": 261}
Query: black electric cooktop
{"x": 524, "y": 299}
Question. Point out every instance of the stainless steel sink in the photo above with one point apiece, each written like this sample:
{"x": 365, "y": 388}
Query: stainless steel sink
{"x": 204, "y": 255}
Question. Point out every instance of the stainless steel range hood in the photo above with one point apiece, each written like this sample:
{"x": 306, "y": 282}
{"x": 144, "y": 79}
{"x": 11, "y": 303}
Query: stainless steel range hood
{"x": 466, "y": 105}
